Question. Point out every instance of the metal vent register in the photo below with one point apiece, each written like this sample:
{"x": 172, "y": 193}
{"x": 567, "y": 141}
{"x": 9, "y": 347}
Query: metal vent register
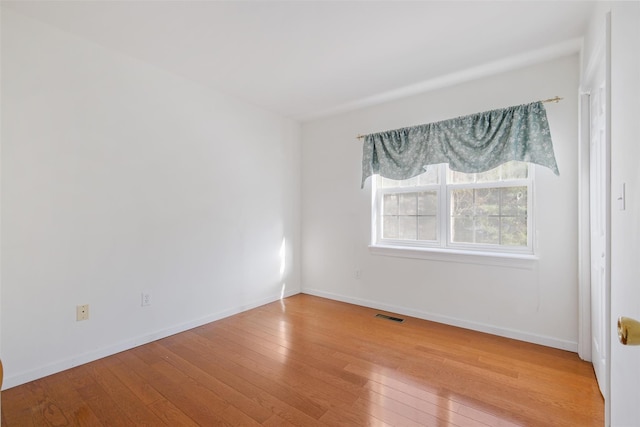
{"x": 395, "y": 319}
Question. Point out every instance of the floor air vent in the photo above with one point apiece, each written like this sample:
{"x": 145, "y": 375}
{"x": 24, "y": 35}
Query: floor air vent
{"x": 395, "y": 319}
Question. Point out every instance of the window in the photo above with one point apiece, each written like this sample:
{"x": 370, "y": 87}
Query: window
{"x": 453, "y": 211}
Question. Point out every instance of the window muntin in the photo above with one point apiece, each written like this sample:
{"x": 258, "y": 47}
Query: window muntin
{"x": 489, "y": 211}
{"x": 410, "y": 216}
{"x": 496, "y": 216}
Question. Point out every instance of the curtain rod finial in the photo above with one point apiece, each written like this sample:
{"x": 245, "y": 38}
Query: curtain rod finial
{"x": 556, "y": 99}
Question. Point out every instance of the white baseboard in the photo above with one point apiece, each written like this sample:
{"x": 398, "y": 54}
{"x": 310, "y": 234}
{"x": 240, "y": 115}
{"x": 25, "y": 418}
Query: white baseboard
{"x": 13, "y": 380}
{"x": 461, "y": 323}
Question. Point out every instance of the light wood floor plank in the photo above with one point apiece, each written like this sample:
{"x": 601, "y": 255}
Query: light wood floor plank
{"x": 308, "y": 361}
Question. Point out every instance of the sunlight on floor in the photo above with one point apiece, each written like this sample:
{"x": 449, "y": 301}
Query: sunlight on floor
{"x": 393, "y": 400}
{"x": 283, "y": 266}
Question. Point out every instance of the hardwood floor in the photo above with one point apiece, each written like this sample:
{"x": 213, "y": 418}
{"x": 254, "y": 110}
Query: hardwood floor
{"x": 309, "y": 361}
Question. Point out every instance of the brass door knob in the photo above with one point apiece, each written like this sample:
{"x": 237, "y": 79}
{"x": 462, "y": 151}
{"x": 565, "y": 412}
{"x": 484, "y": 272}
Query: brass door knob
{"x": 628, "y": 331}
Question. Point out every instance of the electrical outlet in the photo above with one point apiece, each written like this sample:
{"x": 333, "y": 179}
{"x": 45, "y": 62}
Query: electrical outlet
{"x": 82, "y": 312}
{"x": 146, "y": 299}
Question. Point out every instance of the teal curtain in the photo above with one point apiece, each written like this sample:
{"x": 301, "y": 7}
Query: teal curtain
{"x": 475, "y": 143}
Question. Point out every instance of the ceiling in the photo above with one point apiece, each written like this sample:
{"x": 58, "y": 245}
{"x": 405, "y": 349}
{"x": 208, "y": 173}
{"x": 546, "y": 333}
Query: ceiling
{"x": 309, "y": 59}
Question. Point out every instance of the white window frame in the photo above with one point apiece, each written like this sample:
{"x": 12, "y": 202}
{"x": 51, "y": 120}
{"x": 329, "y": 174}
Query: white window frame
{"x": 443, "y": 249}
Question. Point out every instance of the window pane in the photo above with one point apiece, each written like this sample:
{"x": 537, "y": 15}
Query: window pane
{"x": 462, "y": 202}
{"x": 407, "y": 227}
{"x": 492, "y": 175}
{"x": 514, "y": 201}
{"x": 411, "y": 182}
{"x": 462, "y": 230}
{"x": 410, "y": 216}
{"x": 504, "y": 172}
{"x": 514, "y": 231}
{"x": 428, "y": 203}
{"x": 486, "y": 201}
{"x": 388, "y": 183}
{"x": 515, "y": 170}
{"x": 408, "y": 204}
{"x": 454, "y": 177}
{"x": 390, "y": 204}
{"x": 480, "y": 212}
{"x": 487, "y": 230}
{"x": 390, "y": 227}
{"x": 427, "y": 227}
{"x": 493, "y": 216}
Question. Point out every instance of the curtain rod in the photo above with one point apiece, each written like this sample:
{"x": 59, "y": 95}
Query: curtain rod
{"x": 555, "y": 99}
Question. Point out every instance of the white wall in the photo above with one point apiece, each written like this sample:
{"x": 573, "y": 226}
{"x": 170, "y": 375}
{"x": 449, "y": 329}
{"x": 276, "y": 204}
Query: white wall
{"x": 117, "y": 178}
{"x": 536, "y": 303}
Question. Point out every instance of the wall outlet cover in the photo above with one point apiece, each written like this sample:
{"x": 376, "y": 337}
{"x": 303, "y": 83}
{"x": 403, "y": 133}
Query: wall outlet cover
{"x": 145, "y": 299}
{"x": 82, "y": 312}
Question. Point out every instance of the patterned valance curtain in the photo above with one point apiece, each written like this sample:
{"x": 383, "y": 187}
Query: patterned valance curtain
{"x": 475, "y": 143}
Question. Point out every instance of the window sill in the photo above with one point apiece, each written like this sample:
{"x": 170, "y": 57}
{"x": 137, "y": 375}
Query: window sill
{"x": 523, "y": 261}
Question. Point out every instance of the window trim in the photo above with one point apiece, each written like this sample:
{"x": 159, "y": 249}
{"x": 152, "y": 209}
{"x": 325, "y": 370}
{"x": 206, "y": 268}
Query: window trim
{"x": 444, "y": 248}
{"x": 501, "y": 259}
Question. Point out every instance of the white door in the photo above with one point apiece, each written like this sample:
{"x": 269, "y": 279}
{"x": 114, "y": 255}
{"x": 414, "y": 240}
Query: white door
{"x": 599, "y": 214}
{"x": 625, "y": 218}
{"x": 596, "y": 83}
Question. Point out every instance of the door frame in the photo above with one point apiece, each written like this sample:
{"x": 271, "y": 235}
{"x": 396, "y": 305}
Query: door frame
{"x": 584, "y": 230}
{"x": 602, "y": 50}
